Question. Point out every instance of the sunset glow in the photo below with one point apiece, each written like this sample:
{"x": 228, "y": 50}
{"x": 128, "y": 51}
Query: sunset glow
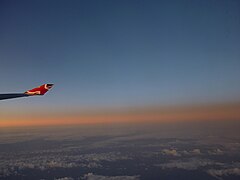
{"x": 137, "y": 115}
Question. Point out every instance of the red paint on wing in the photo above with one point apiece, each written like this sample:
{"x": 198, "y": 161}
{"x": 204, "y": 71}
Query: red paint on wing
{"x": 41, "y": 90}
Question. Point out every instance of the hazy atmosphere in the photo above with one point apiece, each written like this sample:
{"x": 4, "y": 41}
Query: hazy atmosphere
{"x": 142, "y": 89}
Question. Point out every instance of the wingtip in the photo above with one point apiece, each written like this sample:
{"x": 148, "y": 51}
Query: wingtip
{"x": 49, "y": 85}
{"x": 41, "y": 90}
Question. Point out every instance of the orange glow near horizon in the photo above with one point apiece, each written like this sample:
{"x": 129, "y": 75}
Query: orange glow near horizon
{"x": 144, "y": 115}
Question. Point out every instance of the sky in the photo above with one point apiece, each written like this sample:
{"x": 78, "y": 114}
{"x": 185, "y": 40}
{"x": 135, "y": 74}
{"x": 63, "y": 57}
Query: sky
{"x": 119, "y": 54}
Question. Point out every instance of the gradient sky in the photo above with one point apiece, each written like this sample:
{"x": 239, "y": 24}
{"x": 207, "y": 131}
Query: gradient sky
{"x": 120, "y": 53}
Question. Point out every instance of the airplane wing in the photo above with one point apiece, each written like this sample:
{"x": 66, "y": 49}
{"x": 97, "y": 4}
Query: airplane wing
{"x": 10, "y": 96}
{"x": 41, "y": 90}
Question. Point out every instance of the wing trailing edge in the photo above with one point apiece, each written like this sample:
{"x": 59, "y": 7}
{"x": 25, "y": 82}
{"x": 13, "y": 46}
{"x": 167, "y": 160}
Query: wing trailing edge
{"x": 11, "y": 96}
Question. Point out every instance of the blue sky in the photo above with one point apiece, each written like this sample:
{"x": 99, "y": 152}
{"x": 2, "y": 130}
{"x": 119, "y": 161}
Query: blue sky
{"x": 121, "y": 53}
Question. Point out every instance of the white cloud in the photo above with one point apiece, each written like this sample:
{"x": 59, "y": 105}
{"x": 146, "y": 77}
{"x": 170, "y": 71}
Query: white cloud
{"x": 45, "y": 161}
{"x": 91, "y": 176}
{"x": 196, "y": 152}
{"x": 111, "y": 156}
{"x": 216, "y": 152}
{"x": 218, "y": 173}
{"x": 192, "y": 152}
{"x": 174, "y": 152}
{"x": 190, "y": 164}
{"x": 64, "y": 178}
{"x": 170, "y": 152}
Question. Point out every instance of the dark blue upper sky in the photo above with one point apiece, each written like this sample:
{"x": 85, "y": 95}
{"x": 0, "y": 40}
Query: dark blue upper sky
{"x": 123, "y": 52}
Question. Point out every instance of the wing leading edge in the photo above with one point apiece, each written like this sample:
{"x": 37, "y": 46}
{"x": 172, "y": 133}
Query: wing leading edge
{"x": 41, "y": 90}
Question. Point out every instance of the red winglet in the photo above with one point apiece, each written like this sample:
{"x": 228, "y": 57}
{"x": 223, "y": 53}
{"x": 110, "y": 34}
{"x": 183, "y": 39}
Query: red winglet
{"x": 41, "y": 90}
